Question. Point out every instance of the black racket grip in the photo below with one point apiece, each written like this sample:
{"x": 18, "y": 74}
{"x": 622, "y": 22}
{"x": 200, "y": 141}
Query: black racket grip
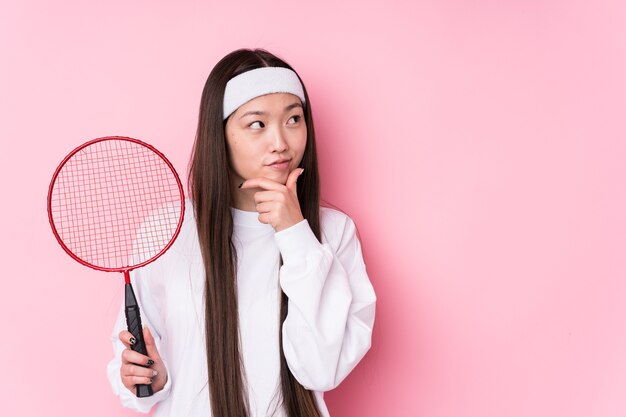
{"x": 133, "y": 322}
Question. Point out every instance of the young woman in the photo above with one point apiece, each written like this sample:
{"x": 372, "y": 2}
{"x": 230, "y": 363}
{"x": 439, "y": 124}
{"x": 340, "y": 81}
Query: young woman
{"x": 263, "y": 302}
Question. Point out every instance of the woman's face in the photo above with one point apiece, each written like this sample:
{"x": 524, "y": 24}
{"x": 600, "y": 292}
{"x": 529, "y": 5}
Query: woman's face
{"x": 266, "y": 137}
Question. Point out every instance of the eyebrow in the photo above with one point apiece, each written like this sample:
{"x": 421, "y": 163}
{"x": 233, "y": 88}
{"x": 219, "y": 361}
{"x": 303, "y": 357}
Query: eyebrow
{"x": 261, "y": 113}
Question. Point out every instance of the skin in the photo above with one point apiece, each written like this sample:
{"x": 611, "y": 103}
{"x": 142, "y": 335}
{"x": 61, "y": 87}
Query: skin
{"x": 152, "y": 371}
{"x": 256, "y": 140}
{"x": 264, "y": 130}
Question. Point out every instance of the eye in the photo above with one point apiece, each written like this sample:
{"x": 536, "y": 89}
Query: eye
{"x": 260, "y": 124}
{"x": 295, "y": 118}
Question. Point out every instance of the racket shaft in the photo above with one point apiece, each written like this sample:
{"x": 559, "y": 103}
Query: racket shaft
{"x": 133, "y": 321}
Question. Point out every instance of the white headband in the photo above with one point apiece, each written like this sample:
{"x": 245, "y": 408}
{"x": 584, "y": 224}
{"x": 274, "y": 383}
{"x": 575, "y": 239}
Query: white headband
{"x": 257, "y": 82}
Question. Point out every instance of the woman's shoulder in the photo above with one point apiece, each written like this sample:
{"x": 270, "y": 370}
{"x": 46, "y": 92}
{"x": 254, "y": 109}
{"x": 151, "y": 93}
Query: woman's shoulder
{"x": 188, "y": 234}
{"x": 336, "y": 225}
{"x": 333, "y": 215}
{"x": 185, "y": 243}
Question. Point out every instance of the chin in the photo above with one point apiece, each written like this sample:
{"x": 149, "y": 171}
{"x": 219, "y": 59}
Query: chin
{"x": 276, "y": 176}
{"x": 281, "y": 179}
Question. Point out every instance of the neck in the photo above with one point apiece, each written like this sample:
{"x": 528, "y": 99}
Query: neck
{"x": 242, "y": 199}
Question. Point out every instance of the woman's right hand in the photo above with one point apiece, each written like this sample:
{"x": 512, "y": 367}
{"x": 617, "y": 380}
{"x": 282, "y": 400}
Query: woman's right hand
{"x": 133, "y": 369}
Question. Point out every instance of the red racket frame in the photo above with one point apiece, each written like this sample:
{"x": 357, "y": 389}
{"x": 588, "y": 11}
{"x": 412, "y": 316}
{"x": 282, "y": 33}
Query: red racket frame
{"x": 125, "y": 270}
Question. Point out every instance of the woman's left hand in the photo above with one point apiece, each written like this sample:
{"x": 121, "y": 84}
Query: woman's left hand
{"x": 278, "y": 205}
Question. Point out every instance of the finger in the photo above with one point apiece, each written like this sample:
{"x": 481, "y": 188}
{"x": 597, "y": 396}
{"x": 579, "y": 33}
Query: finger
{"x": 264, "y": 196}
{"x": 292, "y": 179}
{"x": 127, "y": 338}
{"x": 265, "y": 207}
{"x": 265, "y": 218}
{"x": 130, "y": 356}
{"x": 264, "y": 183}
{"x": 151, "y": 348}
{"x": 134, "y": 380}
{"x": 137, "y": 370}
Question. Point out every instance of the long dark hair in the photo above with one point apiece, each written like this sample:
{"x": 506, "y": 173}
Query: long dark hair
{"x": 210, "y": 189}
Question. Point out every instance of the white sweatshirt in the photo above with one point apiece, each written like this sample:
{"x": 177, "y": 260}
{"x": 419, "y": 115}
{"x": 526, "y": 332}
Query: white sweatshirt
{"x": 327, "y": 331}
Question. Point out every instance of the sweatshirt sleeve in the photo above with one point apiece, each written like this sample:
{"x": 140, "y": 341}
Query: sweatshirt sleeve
{"x": 331, "y": 307}
{"x": 149, "y": 317}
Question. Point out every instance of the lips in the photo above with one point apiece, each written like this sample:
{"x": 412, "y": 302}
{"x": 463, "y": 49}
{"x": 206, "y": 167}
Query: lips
{"x": 280, "y": 161}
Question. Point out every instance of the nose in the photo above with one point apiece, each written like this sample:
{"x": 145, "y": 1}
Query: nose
{"x": 279, "y": 144}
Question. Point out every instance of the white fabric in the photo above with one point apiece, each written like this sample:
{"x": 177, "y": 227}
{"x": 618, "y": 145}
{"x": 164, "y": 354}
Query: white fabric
{"x": 257, "y": 82}
{"x": 327, "y": 331}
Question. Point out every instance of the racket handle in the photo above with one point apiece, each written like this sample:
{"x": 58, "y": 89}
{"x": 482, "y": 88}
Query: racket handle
{"x": 133, "y": 321}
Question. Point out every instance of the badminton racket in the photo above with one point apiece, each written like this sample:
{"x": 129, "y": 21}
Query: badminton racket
{"x": 116, "y": 204}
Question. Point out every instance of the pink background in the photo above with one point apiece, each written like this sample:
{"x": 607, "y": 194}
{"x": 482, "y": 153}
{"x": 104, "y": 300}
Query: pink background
{"x": 479, "y": 146}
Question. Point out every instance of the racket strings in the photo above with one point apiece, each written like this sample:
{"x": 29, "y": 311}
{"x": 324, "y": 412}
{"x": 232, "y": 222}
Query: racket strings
{"x": 116, "y": 203}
